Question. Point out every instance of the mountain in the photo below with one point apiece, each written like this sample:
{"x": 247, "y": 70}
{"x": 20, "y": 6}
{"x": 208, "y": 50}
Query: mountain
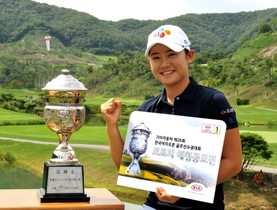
{"x": 207, "y": 32}
{"x": 232, "y": 55}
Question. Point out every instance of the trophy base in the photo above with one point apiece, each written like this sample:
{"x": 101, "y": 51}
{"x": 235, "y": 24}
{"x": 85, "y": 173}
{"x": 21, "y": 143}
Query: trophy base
{"x": 62, "y": 183}
{"x": 51, "y": 198}
{"x": 58, "y": 161}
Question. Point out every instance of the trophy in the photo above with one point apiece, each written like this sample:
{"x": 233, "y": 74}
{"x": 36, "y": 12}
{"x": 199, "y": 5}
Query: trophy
{"x": 137, "y": 146}
{"x": 64, "y": 113}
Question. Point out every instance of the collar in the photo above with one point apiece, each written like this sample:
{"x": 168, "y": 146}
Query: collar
{"x": 187, "y": 94}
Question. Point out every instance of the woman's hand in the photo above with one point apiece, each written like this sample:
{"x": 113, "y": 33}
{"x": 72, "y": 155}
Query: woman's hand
{"x": 111, "y": 111}
{"x": 164, "y": 197}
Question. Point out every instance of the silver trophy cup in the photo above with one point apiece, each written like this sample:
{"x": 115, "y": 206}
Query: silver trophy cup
{"x": 138, "y": 146}
{"x": 64, "y": 113}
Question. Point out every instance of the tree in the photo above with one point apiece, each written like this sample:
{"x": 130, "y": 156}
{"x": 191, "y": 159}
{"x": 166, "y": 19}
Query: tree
{"x": 254, "y": 148}
{"x": 266, "y": 72}
{"x": 265, "y": 27}
{"x": 273, "y": 21}
{"x": 15, "y": 84}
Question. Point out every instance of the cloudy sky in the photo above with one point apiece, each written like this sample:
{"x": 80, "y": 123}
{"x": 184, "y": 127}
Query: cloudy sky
{"x": 158, "y": 9}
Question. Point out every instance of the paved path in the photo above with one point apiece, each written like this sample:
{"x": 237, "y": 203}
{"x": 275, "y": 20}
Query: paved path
{"x": 106, "y": 148}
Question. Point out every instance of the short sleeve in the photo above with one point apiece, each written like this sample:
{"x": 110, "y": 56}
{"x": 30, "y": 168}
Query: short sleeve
{"x": 221, "y": 109}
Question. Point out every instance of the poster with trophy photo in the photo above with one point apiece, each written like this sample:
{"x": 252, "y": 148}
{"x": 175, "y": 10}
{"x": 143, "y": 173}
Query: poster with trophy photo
{"x": 180, "y": 153}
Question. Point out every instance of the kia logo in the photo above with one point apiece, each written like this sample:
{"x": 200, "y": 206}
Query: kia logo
{"x": 196, "y": 187}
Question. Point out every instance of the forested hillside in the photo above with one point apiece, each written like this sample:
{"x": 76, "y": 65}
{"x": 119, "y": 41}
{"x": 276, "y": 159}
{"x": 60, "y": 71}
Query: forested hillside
{"x": 208, "y": 32}
{"x": 235, "y": 53}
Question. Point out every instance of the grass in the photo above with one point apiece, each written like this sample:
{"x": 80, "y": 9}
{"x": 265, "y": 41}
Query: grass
{"x": 254, "y": 47}
{"x": 248, "y": 114}
{"x": 20, "y": 93}
{"x": 104, "y": 58}
{"x": 98, "y": 100}
{"x": 273, "y": 160}
{"x": 97, "y": 134}
{"x": 11, "y": 116}
{"x": 256, "y": 115}
{"x": 100, "y": 172}
{"x": 99, "y": 168}
{"x": 248, "y": 196}
{"x": 86, "y": 135}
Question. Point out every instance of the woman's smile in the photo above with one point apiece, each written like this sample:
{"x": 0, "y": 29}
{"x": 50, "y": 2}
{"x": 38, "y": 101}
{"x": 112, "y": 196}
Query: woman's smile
{"x": 166, "y": 73}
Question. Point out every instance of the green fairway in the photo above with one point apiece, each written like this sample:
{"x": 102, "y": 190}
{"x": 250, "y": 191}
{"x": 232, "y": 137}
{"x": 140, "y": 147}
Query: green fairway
{"x": 255, "y": 115}
{"x": 86, "y": 135}
{"x": 269, "y": 136}
{"x": 273, "y": 160}
{"x": 244, "y": 114}
{"x": 20, "y": 93}
{"x": 12, "y": 116}
{"x": 97, "y": 134}
{"x": 100, "y": 100}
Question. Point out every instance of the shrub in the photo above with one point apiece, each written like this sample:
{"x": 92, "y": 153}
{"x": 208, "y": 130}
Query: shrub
{"x": 254, "y": 148}
{"x": 6, "y": 123}
{"x": 23, "y": 122}
{"x": 242, "y": 101}
{"x": 92, "y": 109}
{"x": 10, "y": 158}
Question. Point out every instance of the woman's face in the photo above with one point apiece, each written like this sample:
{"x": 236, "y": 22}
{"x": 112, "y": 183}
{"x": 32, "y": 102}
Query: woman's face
{"x": 169, "y": 67}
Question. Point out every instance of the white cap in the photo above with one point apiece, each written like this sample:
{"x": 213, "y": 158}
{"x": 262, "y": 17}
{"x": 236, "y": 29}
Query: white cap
{"x": 169, "y": 35}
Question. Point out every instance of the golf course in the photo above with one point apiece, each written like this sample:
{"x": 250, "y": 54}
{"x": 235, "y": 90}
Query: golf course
{"x": 99, "y": 168}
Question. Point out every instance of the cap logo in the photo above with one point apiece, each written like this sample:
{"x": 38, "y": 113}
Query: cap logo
{"x": 162, "y": 33}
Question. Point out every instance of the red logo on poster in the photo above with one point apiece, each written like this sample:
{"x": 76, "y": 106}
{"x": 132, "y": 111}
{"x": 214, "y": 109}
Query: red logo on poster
{"x": 196, "y": 187}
